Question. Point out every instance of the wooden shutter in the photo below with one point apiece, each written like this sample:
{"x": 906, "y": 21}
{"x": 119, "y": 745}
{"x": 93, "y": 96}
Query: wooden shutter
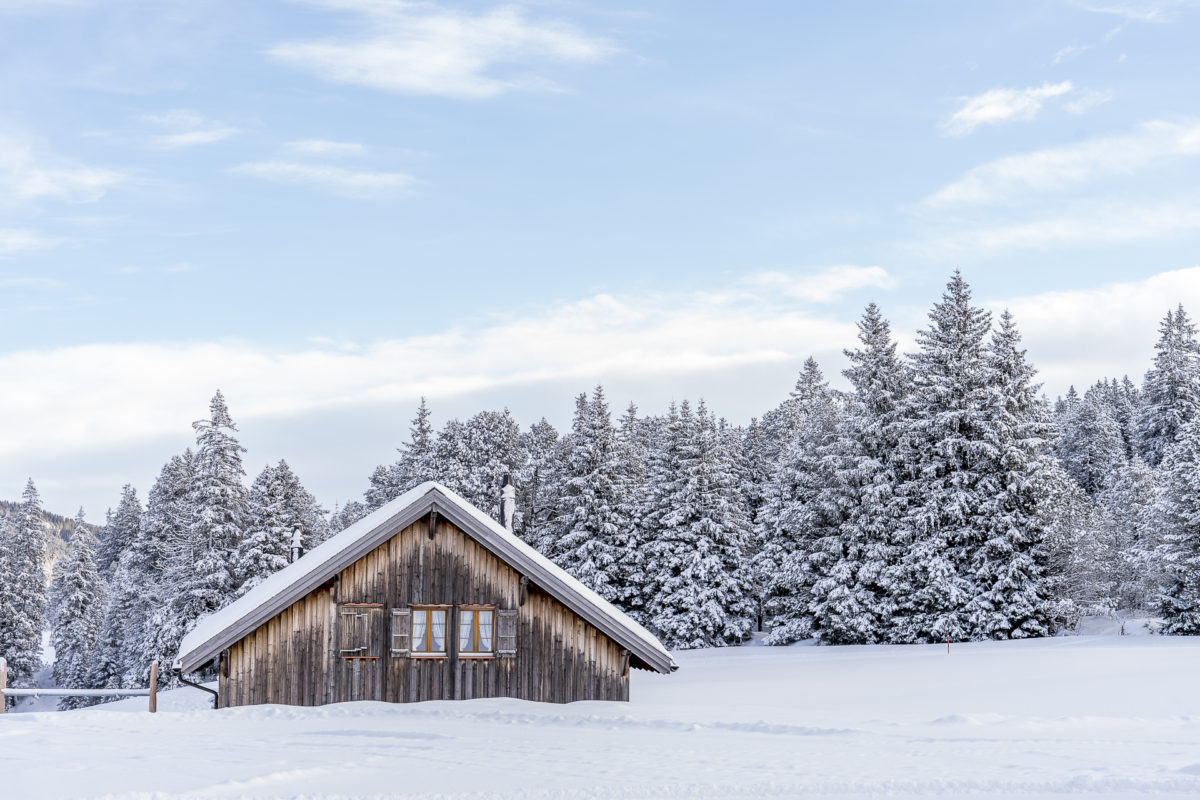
{"x": 351, "y": 631}
{"x": 401, "y": 631}
{"x": 506, "y": 632}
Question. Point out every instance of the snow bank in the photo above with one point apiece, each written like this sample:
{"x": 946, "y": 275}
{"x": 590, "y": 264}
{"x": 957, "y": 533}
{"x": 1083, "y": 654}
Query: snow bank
{"x": 1107, "y": 716}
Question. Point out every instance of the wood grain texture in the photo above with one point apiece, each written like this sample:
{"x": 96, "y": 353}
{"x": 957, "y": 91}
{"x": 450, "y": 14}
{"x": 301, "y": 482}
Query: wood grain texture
{"x": 295, "y": 657}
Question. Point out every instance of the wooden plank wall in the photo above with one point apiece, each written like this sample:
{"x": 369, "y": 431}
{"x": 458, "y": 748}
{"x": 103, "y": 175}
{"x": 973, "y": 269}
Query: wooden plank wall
{"x": 294, "y": 658}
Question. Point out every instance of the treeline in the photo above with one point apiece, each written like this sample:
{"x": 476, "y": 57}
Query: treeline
{"x": 942, "y": 497}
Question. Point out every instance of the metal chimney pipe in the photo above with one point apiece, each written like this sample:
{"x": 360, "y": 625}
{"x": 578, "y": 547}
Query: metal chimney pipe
{"x": 508, "y": 503}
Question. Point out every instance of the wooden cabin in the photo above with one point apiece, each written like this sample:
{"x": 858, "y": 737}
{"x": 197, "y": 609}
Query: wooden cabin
{"x": 427, "y": 598}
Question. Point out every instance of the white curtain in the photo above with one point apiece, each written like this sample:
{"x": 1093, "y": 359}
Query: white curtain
{"x": 439, "y": 630}
{"x": 418, "y": 630}
{"x": 464, "y": 631}
{"x": 485, "y": 631}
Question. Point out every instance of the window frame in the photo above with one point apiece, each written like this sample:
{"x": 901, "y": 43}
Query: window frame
{"x": 427, "y": 609}
{"x": 475, "y": 608}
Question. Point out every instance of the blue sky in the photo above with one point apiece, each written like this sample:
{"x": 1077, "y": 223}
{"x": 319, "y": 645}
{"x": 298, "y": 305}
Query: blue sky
{"x": 330, "y": 208}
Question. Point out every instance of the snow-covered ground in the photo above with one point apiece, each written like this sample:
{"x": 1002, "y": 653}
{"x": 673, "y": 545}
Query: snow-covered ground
{"x": 1101, "y": 715}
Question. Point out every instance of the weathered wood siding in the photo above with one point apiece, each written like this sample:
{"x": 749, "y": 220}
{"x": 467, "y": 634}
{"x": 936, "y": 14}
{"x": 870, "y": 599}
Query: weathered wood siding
{"x": 294, "y": 658}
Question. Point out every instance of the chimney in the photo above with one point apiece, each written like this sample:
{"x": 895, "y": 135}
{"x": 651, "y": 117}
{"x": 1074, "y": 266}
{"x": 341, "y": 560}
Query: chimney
{"x": 297, "y": 547}
{"x": 508, "y": 503}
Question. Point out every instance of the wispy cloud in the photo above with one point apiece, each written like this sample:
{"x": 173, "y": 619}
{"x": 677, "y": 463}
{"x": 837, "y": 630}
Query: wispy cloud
{"x": 348, "y": 182}
{"x": 187, "y": 128}
{"x": 1082, "y": 224}
{"x": 325, "y": 147}
{"x": 823, "y": 287}
{"x": 29, "y": 174}
{"x": 1001, "y": 105}
{"x": 745, "y": 323}
{"x": 1087, "y": 101}
{"x": 30, "y": 282}
{"x": 418, "y": 48}
{"x": 16, "y": 240}
{"x": 1013, "y": 178}
{"x": 1137, "y": 10}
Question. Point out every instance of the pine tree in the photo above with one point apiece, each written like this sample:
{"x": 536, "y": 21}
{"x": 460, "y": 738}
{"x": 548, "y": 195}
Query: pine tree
{"x": 1009, "y": 567}
{"x": 216, "y": 511}
{"x": 947, "y": 449}
{"x": 589, "y": 515}
{"x": 702, "y": 597}
{"x": 1079, "y": 557}
{"x": 1171, "y": 391}
{"x": 77, "y": 625}
{"x": 1180, "y": 601}
{"x": 852, "y": 600}
{"x": 415, "y": 465}
{"x": 23, "y": 588}
{"x": 1089, "y": 444}
{"x": 801, "y": 546}
{"x": 120, "y": 529}
{"x": 277, "y": 508}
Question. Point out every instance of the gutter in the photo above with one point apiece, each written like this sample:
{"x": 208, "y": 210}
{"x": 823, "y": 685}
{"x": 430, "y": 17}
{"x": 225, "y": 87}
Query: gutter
{"x": 178, "y": 670}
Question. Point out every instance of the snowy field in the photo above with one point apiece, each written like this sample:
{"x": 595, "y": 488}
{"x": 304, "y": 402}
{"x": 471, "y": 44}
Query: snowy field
{"x": 1098, "y": 715}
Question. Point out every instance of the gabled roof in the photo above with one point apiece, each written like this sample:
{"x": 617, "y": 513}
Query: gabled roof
{"x": 221, "y": 629}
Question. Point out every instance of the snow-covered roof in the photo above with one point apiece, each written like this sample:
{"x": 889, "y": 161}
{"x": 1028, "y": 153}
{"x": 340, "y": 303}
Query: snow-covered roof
{"x": 222, "y": 628}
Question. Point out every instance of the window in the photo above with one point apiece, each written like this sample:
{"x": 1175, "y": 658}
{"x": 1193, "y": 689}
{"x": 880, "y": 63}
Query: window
{"x": 428, "y": 631}
{"x": 475, "y": 625}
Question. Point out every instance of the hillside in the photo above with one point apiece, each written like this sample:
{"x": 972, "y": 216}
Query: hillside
{"x": 1101, "y": 715}
{"x": 60, "y": 528}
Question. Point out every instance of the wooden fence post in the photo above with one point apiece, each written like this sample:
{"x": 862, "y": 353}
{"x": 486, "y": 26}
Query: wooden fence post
{"x": 154, "y": 687}
{"x": 3, "y": 683}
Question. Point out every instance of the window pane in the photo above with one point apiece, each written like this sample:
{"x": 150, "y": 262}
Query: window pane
{"x": 485, "y": 631}
{"x": 439, "y": 630}
{"x": 418, "y": 630}
{"x": 465, "y": 632}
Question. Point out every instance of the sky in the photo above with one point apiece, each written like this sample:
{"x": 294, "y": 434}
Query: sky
{"x": 330, "y": 208}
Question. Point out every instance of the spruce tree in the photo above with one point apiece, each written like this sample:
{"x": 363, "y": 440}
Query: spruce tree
{"x": 948, "y": 449}
{"x": 1130, "y": 519}
{"x": 1089, "y": 444}
{"x": 589, "y": 515}
{"x": 702, "y": 596}
{"x": 1009, "y": 566}
{"x": 1171, "y": 391}
{"x": 1180, "y": 600}
{"x": 77, "y": 625}
{"x": 852, "y": 599}
{"x": 120, "y": 530}
{"x": 538, "y": 484}
{"x": 23, "y": 588}
{"x": 277, "y": 508}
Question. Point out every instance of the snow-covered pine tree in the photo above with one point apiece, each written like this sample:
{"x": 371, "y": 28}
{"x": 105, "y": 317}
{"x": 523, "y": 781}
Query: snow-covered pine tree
{"x": 1130, "y": 521}
{"x": 1120, "y": 398}
{"x": 1180, "y": 600}
{"x": 702, "y": 597}
{"x": 472, "y": 458}
{"x": 1079, "y": 557}
{"x": 538, "y": 484}
{"x": 1089, "y": 444}
{"x": 803, "y": 544}
{"x": 948, "y": 449}
{"x": 346, "y": 516}
{"x": 1009, "y": 567}
{"x": 217, "y": 515}
{"x": 852, "y": 602}
{"x": 277, "y": 508}
{"x": 589, "y": 517}
{"x": 1171, "y": 390}
{"x": 77, "y": 625}
{"x": 120, "y": 530}
{"x": 414, "y": 466}
{"x": 631, "y": 580}
{"x": 23, "y": 588}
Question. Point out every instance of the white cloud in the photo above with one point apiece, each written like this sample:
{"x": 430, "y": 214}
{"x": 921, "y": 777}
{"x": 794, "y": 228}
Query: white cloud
{"x": 29, "y": 174}
{"x": 825, "y": 286}
{"x": 348, "y": 182}
{"x": 30, "y": 282}
{"x": 17, "y": 240}
{"x": 1001, "y": 105}
{"x": 1087, "y": 101}
{"x": 139, "y": 391}
{"x": 1079, "y": 336}
{"x": 1084, "y": 224}
{"x": 188, "y": 128}
{"x": 325, "y": 147}
{"x": 1012, "y": 178}
{"x": 1137, "y": 10}
{"x": 418, "y": 48}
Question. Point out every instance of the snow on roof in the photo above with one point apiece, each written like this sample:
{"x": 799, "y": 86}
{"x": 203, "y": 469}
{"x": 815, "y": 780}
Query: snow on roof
{"x": 221, "y": 628}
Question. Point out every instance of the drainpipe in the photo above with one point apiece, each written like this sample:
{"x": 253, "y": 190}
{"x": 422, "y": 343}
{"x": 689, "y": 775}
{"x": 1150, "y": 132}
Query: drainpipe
{"x": 178, "y": 670}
